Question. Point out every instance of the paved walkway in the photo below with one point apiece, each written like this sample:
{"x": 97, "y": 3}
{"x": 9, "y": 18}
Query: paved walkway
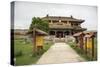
{"x": 60, "y": 53}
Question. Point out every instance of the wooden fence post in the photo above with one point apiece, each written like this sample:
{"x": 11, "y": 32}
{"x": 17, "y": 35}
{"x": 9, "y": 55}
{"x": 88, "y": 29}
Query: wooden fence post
{"x": 34, "y": 41}
{"x": 92, "y": 48}
{"x": 81, "y": 41}
{"x": 85, "y": 45}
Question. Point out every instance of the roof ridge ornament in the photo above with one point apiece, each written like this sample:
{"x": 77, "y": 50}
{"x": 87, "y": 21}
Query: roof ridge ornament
{"x": 71, "y": 16}
{"x": 47, "y": 15}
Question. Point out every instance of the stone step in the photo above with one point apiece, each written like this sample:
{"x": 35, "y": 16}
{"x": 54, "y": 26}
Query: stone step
{"x": 59, "y": 39}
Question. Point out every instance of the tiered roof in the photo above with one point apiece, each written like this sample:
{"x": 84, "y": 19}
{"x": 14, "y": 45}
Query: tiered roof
{"x": 62, "y": 18}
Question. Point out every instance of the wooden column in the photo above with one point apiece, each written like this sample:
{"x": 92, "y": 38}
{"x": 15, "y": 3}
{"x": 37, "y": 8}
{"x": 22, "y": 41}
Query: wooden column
{"x": 81, "y": 41}
{"x": 34, "y": 40}
{"x": 92, "y": 48}
{"x": 51, "y": 22}
{"x": 70, "y": 32}
{"x": 55, "y": 33}
{"x": 86, "y": 45}
{"x": 63, "y": 34}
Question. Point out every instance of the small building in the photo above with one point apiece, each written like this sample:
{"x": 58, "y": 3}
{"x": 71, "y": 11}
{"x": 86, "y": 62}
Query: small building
{"x": 89, "y": 44}
{"x": 79, "y": 37}
{"x": 38, "y": 39}
{"x": 89, "y": 40}
{"x": 91, "y": 32}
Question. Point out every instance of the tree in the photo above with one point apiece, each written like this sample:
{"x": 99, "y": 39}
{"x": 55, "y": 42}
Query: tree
{"x": 39, "y": 24}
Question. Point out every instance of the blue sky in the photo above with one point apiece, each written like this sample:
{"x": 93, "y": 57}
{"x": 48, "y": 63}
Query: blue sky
{"x": 24, "y": 11}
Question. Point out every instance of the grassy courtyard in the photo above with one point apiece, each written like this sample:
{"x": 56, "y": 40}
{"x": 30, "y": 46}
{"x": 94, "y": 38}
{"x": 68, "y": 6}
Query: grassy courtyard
{"x": 23, "y": 52}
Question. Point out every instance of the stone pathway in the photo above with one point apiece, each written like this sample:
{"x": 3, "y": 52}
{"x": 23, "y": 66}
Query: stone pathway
{"x": 60, "y": 53}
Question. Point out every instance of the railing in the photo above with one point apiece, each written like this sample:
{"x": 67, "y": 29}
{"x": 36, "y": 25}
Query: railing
{"x": 62, "y": 26}
{"x": 59, "y": 26}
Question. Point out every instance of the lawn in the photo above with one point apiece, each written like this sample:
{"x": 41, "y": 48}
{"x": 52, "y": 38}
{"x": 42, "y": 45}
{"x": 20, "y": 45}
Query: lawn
{"x": 23, "y": 52}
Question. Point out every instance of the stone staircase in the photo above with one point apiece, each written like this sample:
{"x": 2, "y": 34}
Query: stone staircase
{"x": 59, "y": 40}
{"x": 56, "y": 40}
{"x": 66, "y": 39}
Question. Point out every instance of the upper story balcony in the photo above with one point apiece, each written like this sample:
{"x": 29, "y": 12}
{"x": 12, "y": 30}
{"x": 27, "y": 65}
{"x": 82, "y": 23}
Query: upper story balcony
{"x": 62, "y": 26}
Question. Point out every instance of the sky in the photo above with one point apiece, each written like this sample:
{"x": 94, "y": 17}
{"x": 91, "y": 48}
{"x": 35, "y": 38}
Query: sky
{"x": 24, "y": 11}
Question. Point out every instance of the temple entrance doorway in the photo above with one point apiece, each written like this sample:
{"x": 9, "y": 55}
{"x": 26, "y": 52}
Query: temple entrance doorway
{"x": 59, "y": 34}
{"x": 67, "y": 33}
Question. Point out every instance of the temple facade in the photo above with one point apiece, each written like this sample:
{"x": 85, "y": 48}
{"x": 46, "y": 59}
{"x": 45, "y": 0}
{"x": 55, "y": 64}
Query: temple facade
{"x": 63, "y": 26}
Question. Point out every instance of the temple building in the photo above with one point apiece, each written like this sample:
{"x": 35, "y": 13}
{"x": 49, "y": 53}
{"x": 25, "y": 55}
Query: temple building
{"x": 63, "y": 26}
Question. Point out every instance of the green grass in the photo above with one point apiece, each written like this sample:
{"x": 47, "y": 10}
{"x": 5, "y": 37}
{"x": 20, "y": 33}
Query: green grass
{"x": 23, "y": 52}
{"x": 95, "y": 48}
{"x": 47, "y": 46}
